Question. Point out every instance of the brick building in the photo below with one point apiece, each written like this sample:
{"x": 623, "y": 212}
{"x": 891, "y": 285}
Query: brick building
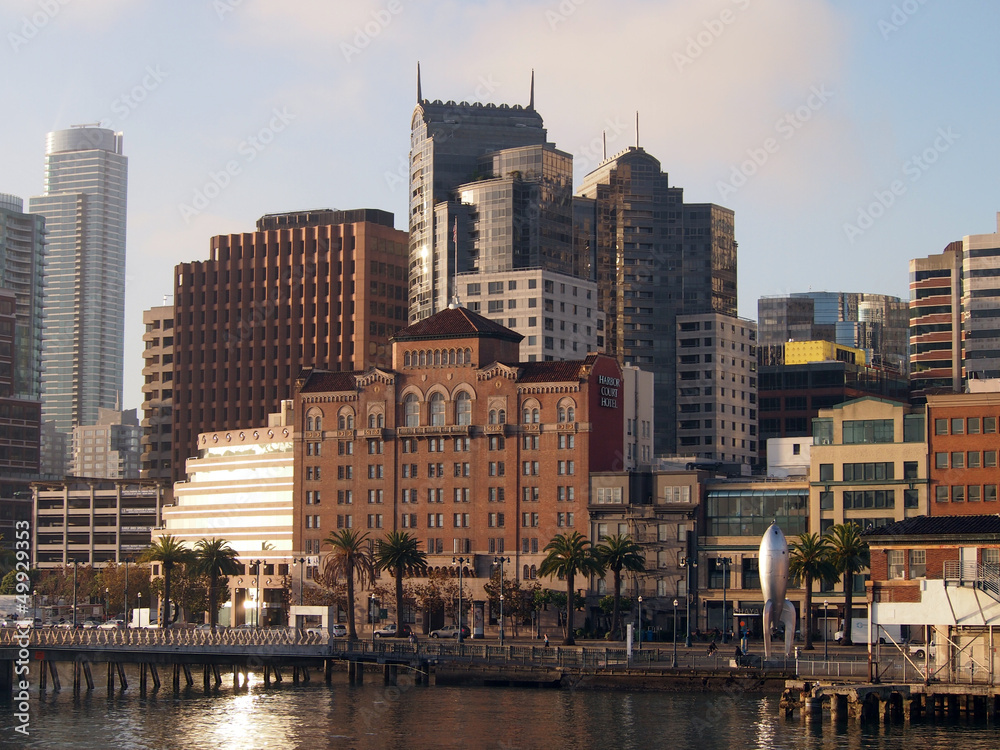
{"x": 460, "y": 444}
{"x": 962, "y": 445}
{"x": 309, "y": 289}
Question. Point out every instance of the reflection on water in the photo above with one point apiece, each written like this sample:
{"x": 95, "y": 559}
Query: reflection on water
{"x": 315, "y": 715}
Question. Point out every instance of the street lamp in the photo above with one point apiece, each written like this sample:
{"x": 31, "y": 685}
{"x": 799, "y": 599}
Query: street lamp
{"x": 826, "y": 631}
{"x": 301, "y": 562}
{"x": 688, "y": 564}
{"x": 34, "y": 606}
{"x": 74, "y": 594}
{"x": 257, "y": 563}
{"x": 640, "y": 622}
{"x": 674, "y": 660}
{"x": 461, "y": 563}
{"x": 499, "y": 561}
{"x": 372, "y": 612}
{"x": 125, "y": 600}
{"x": 139, "y": 607}
{"x": 724, "y": 563}
{"x": 107, "y": 602}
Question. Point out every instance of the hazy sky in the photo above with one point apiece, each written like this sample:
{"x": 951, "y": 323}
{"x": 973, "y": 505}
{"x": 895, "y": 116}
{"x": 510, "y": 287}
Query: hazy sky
{"x": 848, "y": 137}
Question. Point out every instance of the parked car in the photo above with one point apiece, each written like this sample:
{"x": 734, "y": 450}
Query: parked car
{"x": 917, "y": 650}
{"x": 391, "y": 631}
{"x": 112, "y": 625}
{"x": 449, "y": 631}
{"x": 338, "y": 630}
{"x": 89, "y": 624}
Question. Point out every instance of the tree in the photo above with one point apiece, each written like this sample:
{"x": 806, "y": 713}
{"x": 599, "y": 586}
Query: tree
{"x": 568, "y": 555}
{"x": 849, "y": 555}
{"x": 215, "y": 558}
{"x": 809, "y": 561}
{"x": 619, "y": 553}
{"x": 400, "y": 554}
{"x": 169, "y": 553}
{"x": 349, "y": 558}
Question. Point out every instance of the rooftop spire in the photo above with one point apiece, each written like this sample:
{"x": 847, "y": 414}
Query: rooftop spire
{"x": 419, "y": 95}
{"x": 531, "y": 97}
{"x": 637, "y": 128}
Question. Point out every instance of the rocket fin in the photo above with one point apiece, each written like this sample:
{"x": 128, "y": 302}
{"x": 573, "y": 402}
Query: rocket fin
{"x": 788, "y": 619}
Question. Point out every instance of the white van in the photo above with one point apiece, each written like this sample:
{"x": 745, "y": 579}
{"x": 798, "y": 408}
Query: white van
{"x": 859, "y": 632}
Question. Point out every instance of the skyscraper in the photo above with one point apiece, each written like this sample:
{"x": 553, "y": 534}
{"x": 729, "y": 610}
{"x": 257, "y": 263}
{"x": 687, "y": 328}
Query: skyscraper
{"x": 656, "y": 257}
{"x": 86, "y": 178}
{"x": 936, "y": 320}
{"x": 981, "y": 304}
{"x": 449, "y": 148}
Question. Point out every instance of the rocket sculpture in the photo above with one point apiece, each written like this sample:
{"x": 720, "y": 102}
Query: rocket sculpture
{"x": 773, "y": 584}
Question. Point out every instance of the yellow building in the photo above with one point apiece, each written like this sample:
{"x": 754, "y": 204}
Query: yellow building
{"x": 804, "y": 352}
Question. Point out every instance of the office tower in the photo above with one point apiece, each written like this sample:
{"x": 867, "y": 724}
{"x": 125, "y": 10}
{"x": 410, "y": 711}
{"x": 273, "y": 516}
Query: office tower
{"x": 453, "y": 145}
{"x": 157, "y": 392}
{"x": 877, "y": 323}
{"x": 22, "y": 247}
{"x": 655, "y": 257}
{"x": 108, "y": 449}
{"x": 717, "y": 387}
{"x": 936, "y": 321}
{"x": 86, "y": 178}
{"x": 981, "y": 304}
{"x": 307, "y": 289}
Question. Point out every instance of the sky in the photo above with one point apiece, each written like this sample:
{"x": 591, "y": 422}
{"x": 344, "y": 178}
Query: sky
{"x": 847, "y": 136}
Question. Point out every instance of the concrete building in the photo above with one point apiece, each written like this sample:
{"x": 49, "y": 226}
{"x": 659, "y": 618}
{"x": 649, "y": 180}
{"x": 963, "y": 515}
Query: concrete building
{"x": 655, "y": 257}
{"x": 108, "y": 449}
{"x": 22, "y": 261}
{"x": 84, "y": 205}
{"x": 95, "y": 521}
{"x": 936, "y": 321}
{"x": 717, "y": 387}
{"x": 962, "y": 445}
{"x": 157, "y": 393}
{"x": 869, "y": 464}
{"x": 307, "y": 289}
{"x": 557, "y": 314}
{"x": 638, "y": 410}
{"x": 460, "y": 443}
{"x": 789, "y": 457}
{"x": 877, "y": 323}
{"x": 239, "y": 488}
{"x": 981, "y": 304}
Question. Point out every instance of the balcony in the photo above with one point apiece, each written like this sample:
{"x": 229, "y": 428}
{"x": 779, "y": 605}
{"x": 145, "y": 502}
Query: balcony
{"x": 435, "y": 430}
{"x": 986, "y": 577}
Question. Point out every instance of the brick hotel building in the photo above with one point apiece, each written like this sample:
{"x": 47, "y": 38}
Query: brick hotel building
{"x": 460, "y": 444}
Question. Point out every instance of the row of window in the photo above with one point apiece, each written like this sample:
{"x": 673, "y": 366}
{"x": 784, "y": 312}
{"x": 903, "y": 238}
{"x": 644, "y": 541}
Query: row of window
{"x": 965, "y": 460}
{"x": 961, "y": 493}
{"x": 437, "y": 357}
{"x": 965, "y": 426}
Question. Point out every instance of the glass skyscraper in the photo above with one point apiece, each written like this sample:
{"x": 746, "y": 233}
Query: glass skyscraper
{"x": 86, "y": 177}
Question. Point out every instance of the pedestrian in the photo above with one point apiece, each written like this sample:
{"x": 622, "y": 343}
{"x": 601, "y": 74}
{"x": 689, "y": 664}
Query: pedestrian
{"x": 546, "y": 640}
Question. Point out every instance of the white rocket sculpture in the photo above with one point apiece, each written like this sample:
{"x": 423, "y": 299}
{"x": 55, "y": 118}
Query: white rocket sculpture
{"x": 773, "y": 584}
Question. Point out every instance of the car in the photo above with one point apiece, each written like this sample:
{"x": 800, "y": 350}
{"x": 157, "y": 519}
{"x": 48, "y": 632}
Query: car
{"x": 89, "y": 624}
{"x": 391, "y": 631}
{"x": 338, "y": 630}
{"x": 919, "y": 650}
{"x": 112, "y": 625}
{"x": 449, "y": 631}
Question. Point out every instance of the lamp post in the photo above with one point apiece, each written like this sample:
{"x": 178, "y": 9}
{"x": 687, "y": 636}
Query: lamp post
{"x": 139, "y": 607}
{"x": 826, "y": 631}
{"x": 74, "y": 594}
{"x": 724, "y": 563}
{"x": 372, "y": 613}
{"x": 688, "y": 563}
{"x": 673, "y": 662}
{"x": 125, "y": 599}
{"x": 640, "y": 621}
{"x": 500, "y": 561}
{"x": 34, "y": 606}
{"x": 301, "y": 561}
{"x": 107, "y": 602}
{"x": 257, "y": 564}
{"x": 461, "y": 563}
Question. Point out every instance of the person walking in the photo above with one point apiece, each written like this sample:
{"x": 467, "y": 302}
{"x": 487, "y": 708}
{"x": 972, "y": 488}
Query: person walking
{"x": 546, "y": 640}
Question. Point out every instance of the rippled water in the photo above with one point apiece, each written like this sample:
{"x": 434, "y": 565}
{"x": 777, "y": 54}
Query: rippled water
{"x": 316, "y": 715}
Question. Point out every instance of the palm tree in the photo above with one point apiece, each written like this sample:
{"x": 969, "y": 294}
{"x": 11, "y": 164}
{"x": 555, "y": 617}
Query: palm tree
{"x": 168, "y": 552}
{"x": 400, "y": 554}
{"x": 350, "y": 558}
{"x": 619, "y": 553}
{"x": 810, "y": 561}
{"x": 215, "y": 558}
{"x": 849, "y": 555}
{"x": 569, "y": 554}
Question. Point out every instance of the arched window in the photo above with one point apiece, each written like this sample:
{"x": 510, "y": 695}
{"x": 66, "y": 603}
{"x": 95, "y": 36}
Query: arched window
{"x": 461, "y": 357}
{"x": 527, "y": 415}
{"x": 451, "y": 356}
{"x": 493, "y": 416}
{"x": 468, "y": 356}
{"x": 527, "y": 573}
{"x": 562, "y": 414}
{"x": 570, "y": 414}
{"x": 437, "y": 357}
{"x": 411, "y": 411}
{"x": 463, "y": 408}
{"x": 309, "y": 423}
{"x": 350, "y": 421}
{"x": 406, "y": 359}
{"x": 380, "y": 420}
{"x": 437, "y": 410}
{"x": 534, "y": 416}
{"x": 341, "y": 422}
{"x": 534, "y": 572}
{"x": 423, "y": 359}
{"x": 371, "y": 421}
{"x": 502, "y": 416}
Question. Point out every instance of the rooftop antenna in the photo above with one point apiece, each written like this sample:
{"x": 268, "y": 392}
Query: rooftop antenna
{"x": 604, "y": 140}
{"x": 531, "y": 97}
{"x": 637, "y": 128}
{"x": 455, "y": 302}
{"x": 419, "y": 95}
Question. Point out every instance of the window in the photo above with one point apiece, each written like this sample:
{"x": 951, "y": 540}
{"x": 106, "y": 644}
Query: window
{"x": 910, "y": 469}
{"x": 990, "y": 459}
{"x": 989, "y": 424}
{"x": 989, "y": 493}
{"x": 958, "y": 426}
{"x": 973, "y": 425}
{"x": 940, "y": 426}
{"x": 972, "y": 460}
{"x": 918, "y": 563}
{"x": 857, "y": 431}
{"x": 958, "y": 460}
{"x": 941, "y": 493}
{"x": 897, "y": 564}
{"x": 940, "y": 460}
{"x": 826, "y": 472}
{"x": 437, "y": 410}
{"x": 958, "y": 493}
{"x": 911, "y": 499}
{"x": 826, "y": 501}
{"x": 411, "y": 411}
{"x": 974, "y": 493}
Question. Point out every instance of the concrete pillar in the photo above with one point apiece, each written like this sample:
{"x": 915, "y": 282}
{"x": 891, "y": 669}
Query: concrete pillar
{"x": 952, "y": 703}
{"x": 54, "y": 673}
{"x": 122, "y": 682}
{"x": 111, "y": 677}
{"x": 177, "y": 678}
{"x": 187, "y": 675}
{"x": 77, "y": 668}
{"x": 87, "y": 675}
{"x": 328, "y": 671}
{"x": 838, "y": 708}
{"x": 813, "y": 708}
{"x": 142, "y": 679}
{"x": 42, "y": 676}
{"x": 154, "y": 673}
{"x": 267, "y": 676}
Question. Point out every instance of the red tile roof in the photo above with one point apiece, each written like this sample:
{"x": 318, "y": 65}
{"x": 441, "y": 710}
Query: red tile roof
{"x": 324, "y": 381}
{"x": 936, "y": 526}
{"x": 456, "y": 322}
{"x": 549, "y": 372}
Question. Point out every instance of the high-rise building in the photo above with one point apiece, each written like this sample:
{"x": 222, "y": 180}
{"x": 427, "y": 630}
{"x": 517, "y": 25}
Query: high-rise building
{"x": 86, "y": 177}
{"x": 157, "y": 392}
{"x": 981, "y": 304}
{"x": 936, "y": 321}
{"x": 307, "y": 289}
{"x": 655, "y": 258}
{"x": 108, "y": 449}
{"x": 488, "y": 167}
{"x": 22, "y": 246}
{"x": 877, "y": 323}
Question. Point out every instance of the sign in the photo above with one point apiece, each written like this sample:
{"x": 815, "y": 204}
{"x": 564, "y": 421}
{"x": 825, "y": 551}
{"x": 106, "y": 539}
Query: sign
{"x": 609, "y": 390}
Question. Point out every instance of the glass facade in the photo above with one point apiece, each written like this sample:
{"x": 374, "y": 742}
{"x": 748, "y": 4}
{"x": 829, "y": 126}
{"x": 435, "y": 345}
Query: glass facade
{"x": 748, "y": 512}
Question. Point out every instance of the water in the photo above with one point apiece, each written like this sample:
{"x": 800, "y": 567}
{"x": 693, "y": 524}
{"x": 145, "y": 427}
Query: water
{"x": 316, "y": 715}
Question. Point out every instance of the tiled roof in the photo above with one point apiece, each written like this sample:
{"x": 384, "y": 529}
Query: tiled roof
{"x": 324, "y": 381}
{"x": 456, "y": 322}
{"x": 938, "y": 526}
{"x": 549, "y": 372}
